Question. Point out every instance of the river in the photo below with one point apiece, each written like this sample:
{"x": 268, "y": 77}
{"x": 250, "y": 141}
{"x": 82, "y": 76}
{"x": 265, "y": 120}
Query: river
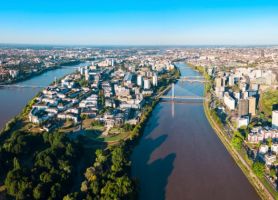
{"x": 13, "y": 100}
{"x": 180, "y": 157}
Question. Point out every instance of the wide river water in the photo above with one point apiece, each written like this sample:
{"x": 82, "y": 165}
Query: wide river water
{"x": 13, "y": 100}
{"x": 180, "y": 157}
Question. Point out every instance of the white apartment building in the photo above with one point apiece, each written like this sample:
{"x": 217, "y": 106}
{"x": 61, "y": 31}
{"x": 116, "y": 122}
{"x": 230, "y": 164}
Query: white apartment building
{"x": 243, "y": 121}
{"x": 139, "y": 80}
{"x": 147, "y": 84}
{"x": 229, "y": 101}
{"x": 275, "y": 119}
{"x": 155, "y": 80}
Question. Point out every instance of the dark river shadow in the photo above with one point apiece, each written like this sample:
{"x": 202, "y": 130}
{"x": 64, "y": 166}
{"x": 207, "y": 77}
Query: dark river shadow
{"x": 160, "y": 168}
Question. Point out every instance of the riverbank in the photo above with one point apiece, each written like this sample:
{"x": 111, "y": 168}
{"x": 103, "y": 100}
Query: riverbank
{"x": 240, "y": 161}
{"x": 33, "y": 74}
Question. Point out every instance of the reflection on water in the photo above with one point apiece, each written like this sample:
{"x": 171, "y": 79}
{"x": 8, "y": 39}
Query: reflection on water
{"x": 180, "y": 157}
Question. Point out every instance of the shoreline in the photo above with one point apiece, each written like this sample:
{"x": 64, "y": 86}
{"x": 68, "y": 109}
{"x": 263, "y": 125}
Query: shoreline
{"x": 259, "y": 187}
{"x": 34, "y": 74}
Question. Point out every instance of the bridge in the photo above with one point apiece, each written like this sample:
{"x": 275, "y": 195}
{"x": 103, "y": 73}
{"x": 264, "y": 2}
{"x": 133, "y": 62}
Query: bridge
{"x": 185, "y": 68}
{"x": 69, "y": 67}
{"x": 173, "y": 97}
{"x": 21, "y": 86}
{"x": 183, "y": 97}
{"x": 192, "y": 79}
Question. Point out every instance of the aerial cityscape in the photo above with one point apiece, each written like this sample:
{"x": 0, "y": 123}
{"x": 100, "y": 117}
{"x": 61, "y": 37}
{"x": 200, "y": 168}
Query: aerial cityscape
{"x": 146, "y": 100}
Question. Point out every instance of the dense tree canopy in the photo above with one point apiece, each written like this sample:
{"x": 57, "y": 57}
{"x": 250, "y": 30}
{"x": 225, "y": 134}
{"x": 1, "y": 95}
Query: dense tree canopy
{"x": 38, "y": 166}
{"x": 108, "y": 178}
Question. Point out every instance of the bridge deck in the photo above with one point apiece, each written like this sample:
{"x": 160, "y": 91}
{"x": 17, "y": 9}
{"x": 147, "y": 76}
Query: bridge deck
{"x": 183, "y": 97}
{"x": 22, "y": 86}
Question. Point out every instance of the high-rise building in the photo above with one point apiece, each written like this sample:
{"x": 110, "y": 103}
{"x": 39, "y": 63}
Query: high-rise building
{"x": 89, "y": 77}
{"x": 147, "y": 84}
{"x": 218, "y": 82}
{"x": 229, "y": 101}
{"x": 155, "y": 79}
{"x": 82, "y": 70}
{"x": 237, "y": 95}
{"x": 243, "y": 121}
{"x": 224, "y": 79}
{"x": 243, "y": 86}
{"x": 275, "y": 119}
{"x": 243, "y": 108}
{"x": 254, "y": 86}
{"x": 252, "y": 106}
{"x": 231, "y": 80}
{"x": 140, "y": 80}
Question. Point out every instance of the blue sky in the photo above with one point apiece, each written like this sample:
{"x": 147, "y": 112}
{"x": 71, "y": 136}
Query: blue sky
{"x": 139, "y": 22}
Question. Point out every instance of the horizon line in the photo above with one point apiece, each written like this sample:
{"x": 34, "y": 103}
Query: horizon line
{"x": 137, "y": 45}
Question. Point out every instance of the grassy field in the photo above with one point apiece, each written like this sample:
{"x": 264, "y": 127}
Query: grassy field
{"x": 106, "y": 139}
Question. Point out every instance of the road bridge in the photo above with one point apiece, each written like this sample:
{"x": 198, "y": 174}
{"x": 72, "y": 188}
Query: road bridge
{"x": 173, "y": 97}
{"x": 21, "y": 86}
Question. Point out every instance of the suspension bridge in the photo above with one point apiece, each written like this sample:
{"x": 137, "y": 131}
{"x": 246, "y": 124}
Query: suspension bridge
{"x": 174, "y": 97}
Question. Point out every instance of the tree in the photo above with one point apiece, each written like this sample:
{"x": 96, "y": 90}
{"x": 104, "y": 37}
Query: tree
{"x": 18, "y": 184}
{"x": 39, "y": 191}
{"x": 125, "y": 186}
{"x": 16, "y": 163}
{"x": 100, "y": 158}
{"x": 237, "y": 142}
{"x": 56, "y": 191}
{"x": 118, "y": 159}
{"x": 272, "y": 172}
{"x": 95, "y": 187}
{"x": 72, "y": 196}
{"x": 109, "y": 191}
{"x": 90, "y": 174}
{"x": 46, "y": 177}
{"x": 84, "y": 186}
{"x": 117, "y": 189}
{"x": 258, "y": 168}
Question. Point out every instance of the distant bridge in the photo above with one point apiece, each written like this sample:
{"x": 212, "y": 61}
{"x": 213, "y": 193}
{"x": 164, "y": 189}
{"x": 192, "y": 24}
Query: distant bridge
{"x": 69, "y": 67}
{"x": 184, "y": 67}
{"x": 193, "y": 77}
{"x": 199, "y": 79}
{"x": 22, "y": 86}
